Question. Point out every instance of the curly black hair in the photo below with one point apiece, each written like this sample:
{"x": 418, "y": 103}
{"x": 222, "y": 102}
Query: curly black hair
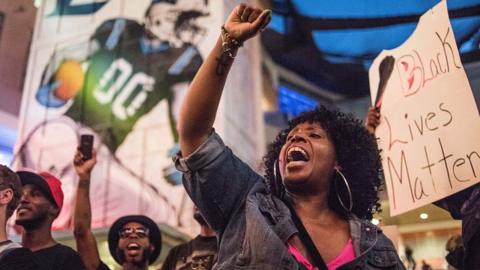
{"x": 9, "y": 179}
{"x": 357, "y": 155}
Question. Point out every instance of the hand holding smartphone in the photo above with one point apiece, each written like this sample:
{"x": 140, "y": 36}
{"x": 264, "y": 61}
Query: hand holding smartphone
{"x": 86, "y": 146}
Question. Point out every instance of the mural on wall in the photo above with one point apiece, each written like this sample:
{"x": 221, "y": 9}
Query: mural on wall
{"x": 115, "y": 69}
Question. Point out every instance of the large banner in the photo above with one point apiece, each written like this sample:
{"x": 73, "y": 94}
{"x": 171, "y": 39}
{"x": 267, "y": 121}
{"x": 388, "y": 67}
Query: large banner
{"x": 429, "y": 133}
{"x": 118, "y": 69}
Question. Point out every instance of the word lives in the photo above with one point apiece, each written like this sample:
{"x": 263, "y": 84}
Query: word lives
{"x": 439, "y": 162}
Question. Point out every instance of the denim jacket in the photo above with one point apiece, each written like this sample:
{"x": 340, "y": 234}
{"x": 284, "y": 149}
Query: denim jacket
{"x": 254, "y": 226}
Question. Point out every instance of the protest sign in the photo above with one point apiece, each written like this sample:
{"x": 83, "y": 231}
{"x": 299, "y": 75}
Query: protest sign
{"x": 429, "y": 133}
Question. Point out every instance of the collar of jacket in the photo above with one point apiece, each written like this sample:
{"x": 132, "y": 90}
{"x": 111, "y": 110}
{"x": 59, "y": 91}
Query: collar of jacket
{"x": 363, "y": 232}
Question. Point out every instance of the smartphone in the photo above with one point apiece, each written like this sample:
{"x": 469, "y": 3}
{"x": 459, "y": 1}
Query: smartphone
{"x": 86, "y": 146}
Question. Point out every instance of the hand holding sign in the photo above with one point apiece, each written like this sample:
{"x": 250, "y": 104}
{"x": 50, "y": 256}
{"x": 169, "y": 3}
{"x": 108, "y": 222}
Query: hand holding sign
{"x": 372, "y": 120}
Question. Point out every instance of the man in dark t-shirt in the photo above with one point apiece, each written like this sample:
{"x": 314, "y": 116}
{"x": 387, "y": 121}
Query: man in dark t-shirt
{"x": 198, "y": 254}
{"x": 40, "y": 204}
{"x": 12, "y": 255}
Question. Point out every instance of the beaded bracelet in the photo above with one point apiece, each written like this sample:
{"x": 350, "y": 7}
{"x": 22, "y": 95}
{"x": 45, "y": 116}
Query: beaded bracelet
{"x": 229, "y": 44}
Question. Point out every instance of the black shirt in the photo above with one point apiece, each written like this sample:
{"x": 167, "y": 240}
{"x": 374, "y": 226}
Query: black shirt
{"x": 19, "y": 259}
{"x": 59, "y": 257}
{"x": 199, "y": 254}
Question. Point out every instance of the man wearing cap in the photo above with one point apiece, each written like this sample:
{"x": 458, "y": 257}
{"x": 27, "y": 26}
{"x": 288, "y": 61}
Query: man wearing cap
{"x": 12, "y": 255}
{"x": 134, "y": 241}
{"x": 40, "y": 204}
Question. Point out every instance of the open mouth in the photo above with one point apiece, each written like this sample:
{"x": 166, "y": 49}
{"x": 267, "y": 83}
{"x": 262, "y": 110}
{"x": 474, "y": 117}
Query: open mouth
{"x": 296, "y": 153}
{"x": 23, "y": 209}
{"x": 133, "y": 246}
{"x": 133, "y": 250}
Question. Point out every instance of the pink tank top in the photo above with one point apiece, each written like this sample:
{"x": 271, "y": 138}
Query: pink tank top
{"x": 345, "y": 256}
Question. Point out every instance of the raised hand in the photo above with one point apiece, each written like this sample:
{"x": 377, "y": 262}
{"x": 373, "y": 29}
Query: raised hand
{"x": 199, "y": 107}
{"x": 244, "y": 22}
{"x": 84, "y": 167}
{"x": 82, "y": 217}
{"x": 372, "y": 120}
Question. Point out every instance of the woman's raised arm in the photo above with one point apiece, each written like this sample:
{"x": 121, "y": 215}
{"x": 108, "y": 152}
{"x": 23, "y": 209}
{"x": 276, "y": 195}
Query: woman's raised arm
{"x": 199, "y": 107}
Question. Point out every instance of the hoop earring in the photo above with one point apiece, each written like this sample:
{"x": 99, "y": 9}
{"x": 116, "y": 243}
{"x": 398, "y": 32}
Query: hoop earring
{"x": 277, "y": 180}
{"x": 275, "y": 169}
{"x": 350, "y": 198}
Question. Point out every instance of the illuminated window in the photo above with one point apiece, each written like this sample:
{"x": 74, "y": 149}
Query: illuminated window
{"x": 292, "y": 102}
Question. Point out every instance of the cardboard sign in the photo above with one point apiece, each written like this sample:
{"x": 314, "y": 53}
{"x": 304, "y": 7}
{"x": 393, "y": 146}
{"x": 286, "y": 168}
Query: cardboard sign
{"x": 429, "y": 133}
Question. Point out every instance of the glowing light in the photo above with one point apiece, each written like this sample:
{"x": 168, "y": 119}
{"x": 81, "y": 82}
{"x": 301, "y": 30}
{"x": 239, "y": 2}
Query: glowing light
{"x": 423, "y": 215}
{"x": 5, "y": 158}
{"x": 375, "y": 221}
{"x": 37, "y": 3}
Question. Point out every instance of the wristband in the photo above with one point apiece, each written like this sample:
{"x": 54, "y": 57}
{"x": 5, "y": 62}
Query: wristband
{"x": 229, "y": 44}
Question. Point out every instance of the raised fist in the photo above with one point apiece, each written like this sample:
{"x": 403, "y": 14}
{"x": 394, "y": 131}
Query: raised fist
{"x": 244, "y": 22}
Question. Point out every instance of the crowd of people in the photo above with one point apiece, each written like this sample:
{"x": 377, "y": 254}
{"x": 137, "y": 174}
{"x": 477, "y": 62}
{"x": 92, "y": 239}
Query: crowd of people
{"x": 134, "y": 241}
{"x": 310, "y": 210}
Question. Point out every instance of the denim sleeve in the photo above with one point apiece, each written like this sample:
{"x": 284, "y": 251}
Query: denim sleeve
{"x": 216, "y": 180}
